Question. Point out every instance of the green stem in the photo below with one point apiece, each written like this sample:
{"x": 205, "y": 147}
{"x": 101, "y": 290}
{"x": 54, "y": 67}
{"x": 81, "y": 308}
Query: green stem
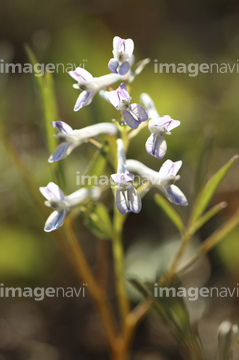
{"x": 118, "y": 255}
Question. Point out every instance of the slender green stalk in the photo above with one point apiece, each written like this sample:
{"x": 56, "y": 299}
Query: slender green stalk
{"x": 118, "y": 255}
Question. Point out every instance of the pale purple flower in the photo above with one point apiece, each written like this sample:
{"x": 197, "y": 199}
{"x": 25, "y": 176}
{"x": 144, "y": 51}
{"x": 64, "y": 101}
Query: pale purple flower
{"x": 70, "y": 139}
{"x": 90, "y": 85}
{"x": 132, "y": 114}
{"x": 126, "y": 196}
{"x": 164, "y": 179}
{"x": 158, "y": 126}
{"x": 122, "y": 51}
{"x": 63, "y": 204}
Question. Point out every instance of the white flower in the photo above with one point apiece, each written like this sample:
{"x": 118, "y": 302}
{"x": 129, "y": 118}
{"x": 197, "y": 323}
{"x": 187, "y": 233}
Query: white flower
{"x": 70, "y": 138}
{"x": 164, "y": 179}
{"x": 62, "y": 204}
{"x": 158, "y": 126}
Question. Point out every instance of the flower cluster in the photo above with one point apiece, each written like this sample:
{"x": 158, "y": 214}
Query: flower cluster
{"x": 127, "y": 198}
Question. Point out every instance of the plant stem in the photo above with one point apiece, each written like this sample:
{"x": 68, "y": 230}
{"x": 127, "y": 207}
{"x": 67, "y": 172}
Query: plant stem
{"x": 98, "y": 295}
{"x": 120, "y": 350}
{"x": 118, "y": 255}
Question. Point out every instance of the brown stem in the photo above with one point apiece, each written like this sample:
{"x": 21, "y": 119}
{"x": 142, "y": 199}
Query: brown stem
{"x": 98, "y": 295}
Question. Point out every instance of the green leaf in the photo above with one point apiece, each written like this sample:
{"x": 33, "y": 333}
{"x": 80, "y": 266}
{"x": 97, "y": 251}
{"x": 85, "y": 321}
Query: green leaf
{"x": 98, "y": 221}
{"x": 110, "y": 144}
{"x": 208, "y": 190}
{"x": 213, "y": 240}
{"x": 139, "y": 286}
{"x": 45, "y": 91}
{"x": 96, "y": 167}
{"x": 205, "y": 156}
{"x": 207, "y": 216}
{"x": 49, "y": 109}
{"x": 170, "y": 212}
{"x": 172, "y": 310}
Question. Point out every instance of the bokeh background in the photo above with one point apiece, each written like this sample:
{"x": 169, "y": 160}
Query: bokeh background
{"x": 81, "y": 32}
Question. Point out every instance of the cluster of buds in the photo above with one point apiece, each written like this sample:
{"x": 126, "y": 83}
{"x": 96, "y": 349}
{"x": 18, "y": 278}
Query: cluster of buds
{"x": 126, "y": 196}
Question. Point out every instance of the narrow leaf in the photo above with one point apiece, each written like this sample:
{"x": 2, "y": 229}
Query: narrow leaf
{"x": 213, "y": 240}
{"x": 38, "y": 79}
{"x": 170, "y": 212}
{"x": 45, "y": 91}
{"x": 207, "y": 216}
{"x": 209, "y": 189}
{"x": 49, "y": 109}
{"x": 204, "y": 160}
{"x": 96, "y": 167}
{"x": 139, "y": 286}
{"x": 172, "y": 310}
{"x": 98, "y": 222}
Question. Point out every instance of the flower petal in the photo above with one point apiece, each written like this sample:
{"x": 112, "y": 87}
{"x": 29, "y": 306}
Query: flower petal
{"x": 169, "y": 168}
{"x": 122, "y": 89}
{"x": 139, "y": 112}
{"x": 124, "y": 68}
{"x": 80, "y": 74}
{"x": 117, "y": 178}
{"x": 121, "y": 202}
{"x": 130, "y": 120}
{"x": 62, "y": 151}
{"x": 149, "y": 105}
{"x": 172, "y": 124}
{"x": 84, "y": 99}
{"x": 79, "y": 196}
{"x": 175, "y": 167}
{"x": 52, "y": 191}
{"x": 156, "y": 146}
{"x": 62, "y": 127}
{"x": 129, "y": 46}
{"x": 113, "y": 65}
{"x": 55, "y": 220}
{"x": 117, "y": 43}
{"x": 134, "y": 200}
{"x": 114, "y": 98}
{"x": 176, "y": 195}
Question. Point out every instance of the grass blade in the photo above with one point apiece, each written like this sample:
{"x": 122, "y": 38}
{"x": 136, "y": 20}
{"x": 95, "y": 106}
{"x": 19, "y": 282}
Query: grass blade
{"x": 170, "y": 212}
{"x": 207, "y": 216}
{"x": 209, "y": 189}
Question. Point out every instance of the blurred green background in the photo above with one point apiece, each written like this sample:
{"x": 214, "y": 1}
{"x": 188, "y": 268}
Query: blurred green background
{"x": 80, "y": 32}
